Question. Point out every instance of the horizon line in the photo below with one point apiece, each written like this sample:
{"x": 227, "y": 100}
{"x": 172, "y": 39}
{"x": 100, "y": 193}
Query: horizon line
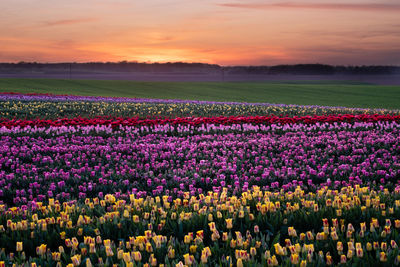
{"x": 185, "y": 62}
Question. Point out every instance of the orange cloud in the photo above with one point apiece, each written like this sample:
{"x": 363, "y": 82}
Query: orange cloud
{"x": 34, "y": 49}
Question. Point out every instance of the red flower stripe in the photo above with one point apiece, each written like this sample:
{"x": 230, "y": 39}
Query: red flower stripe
{"x": 115, "y": 122}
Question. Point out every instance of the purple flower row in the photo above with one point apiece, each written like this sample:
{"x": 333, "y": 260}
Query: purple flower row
{"x": 78, "y": 162}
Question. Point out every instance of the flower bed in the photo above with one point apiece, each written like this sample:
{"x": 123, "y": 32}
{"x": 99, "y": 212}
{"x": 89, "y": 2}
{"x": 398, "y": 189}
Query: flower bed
{"x": 351, "y": 225}
{"x": 197, "y": 191}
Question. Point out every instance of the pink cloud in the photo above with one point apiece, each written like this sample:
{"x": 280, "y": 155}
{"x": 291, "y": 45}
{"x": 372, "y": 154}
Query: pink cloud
{"x": 338, "y": 6}
{"x": 68, "y": 21}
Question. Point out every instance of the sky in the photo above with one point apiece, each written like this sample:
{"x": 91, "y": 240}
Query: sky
{"x": 224, "y": 32}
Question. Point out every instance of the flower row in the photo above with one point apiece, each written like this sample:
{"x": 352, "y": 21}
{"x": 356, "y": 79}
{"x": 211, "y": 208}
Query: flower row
{"x": 133, "y": 121}
{"x": 54, "y": 106}
{"x": 79, "y": 162}
{"x": 189, "y": 129}
{"x": 257, "y": 227}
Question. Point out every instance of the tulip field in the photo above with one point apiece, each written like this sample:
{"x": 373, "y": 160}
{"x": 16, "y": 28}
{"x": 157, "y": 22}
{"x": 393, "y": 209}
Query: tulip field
{"x": 103, "y": 181}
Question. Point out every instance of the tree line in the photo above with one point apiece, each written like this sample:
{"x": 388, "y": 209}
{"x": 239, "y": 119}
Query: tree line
{"x": 200, "y": 68}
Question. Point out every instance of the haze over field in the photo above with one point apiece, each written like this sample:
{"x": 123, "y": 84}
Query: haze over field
{"x": 225, "y": 32}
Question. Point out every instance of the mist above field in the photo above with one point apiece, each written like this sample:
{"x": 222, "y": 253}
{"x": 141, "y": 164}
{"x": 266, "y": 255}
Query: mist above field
{"x": 179, "y": 71}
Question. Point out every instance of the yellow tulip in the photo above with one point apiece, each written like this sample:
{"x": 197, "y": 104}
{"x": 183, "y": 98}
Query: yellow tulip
{"x": 137, "y": 256}
{"x": 76, "y": 260}
{"x": 171, "y": 253}
{"x": 19, "y": 246}
{"x": 188, "y": 259}
{"x": 228, "y": 223}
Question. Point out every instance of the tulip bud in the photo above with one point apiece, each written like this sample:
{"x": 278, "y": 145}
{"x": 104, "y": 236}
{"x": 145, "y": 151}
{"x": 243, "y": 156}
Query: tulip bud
{"x": 329, "y": 260}
{"x": 256, "y": 229}
{"x": 343, "y": 259}
{"x": 253, "y": 251}
{"x": 294, "y": 258}
{"x": 19, "y": 246}
{"x": 137, "y": 256}
{"x": 383, "y": 257}
{"x": 171, "y": 253}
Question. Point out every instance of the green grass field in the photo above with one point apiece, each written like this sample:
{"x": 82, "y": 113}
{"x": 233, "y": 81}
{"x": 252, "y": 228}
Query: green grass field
{"x": 349, "y": 94}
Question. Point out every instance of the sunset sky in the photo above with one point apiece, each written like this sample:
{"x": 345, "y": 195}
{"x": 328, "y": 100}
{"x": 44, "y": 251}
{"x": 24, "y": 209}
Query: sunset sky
{"x": 225, "y": 32}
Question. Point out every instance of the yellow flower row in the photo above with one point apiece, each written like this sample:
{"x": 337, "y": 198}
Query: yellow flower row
{"x": 33, "y": 109}
{"x": 235, "y": 224}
